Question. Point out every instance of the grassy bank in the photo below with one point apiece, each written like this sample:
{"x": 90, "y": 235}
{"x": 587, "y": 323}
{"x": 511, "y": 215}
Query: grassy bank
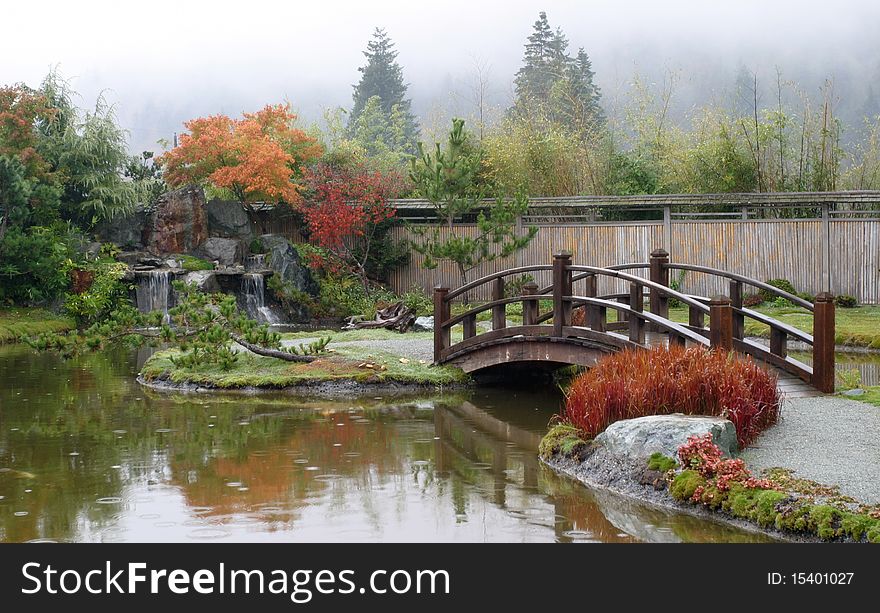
{"x": 872, "y": 396}
{"x": 358, "y": 364}
{"x": 18, "y": 322}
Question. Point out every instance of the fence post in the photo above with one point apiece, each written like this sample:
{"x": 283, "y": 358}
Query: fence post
{"x": 530, "y": 307}
{"x": 561, "y": 288}
{"x": 720, "y": 323}
{"x": 667, "y": 227}
{"x": 659, "y": 304}
{"x": 441, "y": 315}
{"x": 823, "y": 342}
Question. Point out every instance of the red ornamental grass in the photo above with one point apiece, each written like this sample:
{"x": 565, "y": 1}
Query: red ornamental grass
{"x": 662, "y": 381}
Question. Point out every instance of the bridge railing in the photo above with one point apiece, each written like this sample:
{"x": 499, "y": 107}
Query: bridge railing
{"x": 727, "y": 314}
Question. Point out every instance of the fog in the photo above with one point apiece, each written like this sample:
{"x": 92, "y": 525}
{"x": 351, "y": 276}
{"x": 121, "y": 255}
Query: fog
{"x": 162, "y": 62}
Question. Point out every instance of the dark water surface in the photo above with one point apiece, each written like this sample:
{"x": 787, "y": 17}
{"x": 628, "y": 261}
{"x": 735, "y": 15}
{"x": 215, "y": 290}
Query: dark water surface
{"x": 86, "y": 454}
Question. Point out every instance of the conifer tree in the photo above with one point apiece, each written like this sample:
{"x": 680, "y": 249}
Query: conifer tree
{"x": 554, "y": 85}
{"x": 382, "y": 78}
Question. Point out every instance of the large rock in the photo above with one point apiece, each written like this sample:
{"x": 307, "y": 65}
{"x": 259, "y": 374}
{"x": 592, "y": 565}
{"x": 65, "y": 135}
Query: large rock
{"x": 225, "y": 251}
{"x": 285, "y": 261}
{"x": 423, "y": 324}
{"x": 204, "y": 280}
{"x": 229, "y": 220}
{"x": 642, "y": 436}
{"x": 179, "y": 223}
{"x": 126, "y": 231}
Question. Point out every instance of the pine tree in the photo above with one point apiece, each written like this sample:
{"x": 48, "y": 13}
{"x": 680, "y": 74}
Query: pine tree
{"x": 555, "y": 85}
{"x": 382, "y": 77}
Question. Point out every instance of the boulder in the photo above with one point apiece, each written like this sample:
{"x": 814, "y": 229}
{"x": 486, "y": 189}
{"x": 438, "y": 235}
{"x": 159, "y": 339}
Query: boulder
{"x": 285, "y": 261}
{"x": 226, "y": 251}
{"x": 640, "y": 437}
{"x": 179, "y": 223}
{"x": 423, "y": 324}
{"x": 229, "y": 220}
{"x": 205, "y": 280}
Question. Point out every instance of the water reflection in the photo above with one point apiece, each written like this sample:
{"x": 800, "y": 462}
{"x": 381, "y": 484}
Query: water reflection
{"x": 88, "y": 455}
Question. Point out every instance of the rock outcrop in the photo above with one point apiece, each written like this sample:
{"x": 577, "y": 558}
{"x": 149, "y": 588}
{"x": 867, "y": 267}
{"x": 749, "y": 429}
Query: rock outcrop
{"x": 642, "y": 436}
{"x": 285, "y": 261}
{"x": 178, "y": 224}
{"x": 229, "y": 220}
{"x": 225, "y": 251}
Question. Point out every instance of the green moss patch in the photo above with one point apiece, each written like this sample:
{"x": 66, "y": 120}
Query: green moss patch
{"x": 15, "y": 323}
{"x": 685, "y": 484}
{"x": 561, "y": 440}
{"x": 349, "y": 363}
{"x": 191, "y": 263}
{"x": 660, "y": 462}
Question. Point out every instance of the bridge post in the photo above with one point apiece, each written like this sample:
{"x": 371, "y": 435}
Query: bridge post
{"x": 499, "y": 313}
{"x": 441, "y": 315}
{"x": 720, "y": 323}
{"x": 736, "y": 301}
{"x": 823, "y": 342}
{"x": 637, "y": 304}
{"x": 530, "y": 307}
{"x": 561, "y": 288}
{"x": 659, "y": 303}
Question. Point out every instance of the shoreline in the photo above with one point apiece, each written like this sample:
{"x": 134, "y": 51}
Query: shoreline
{"x": 600, "y": 470}
{"x": 339, "y": 388}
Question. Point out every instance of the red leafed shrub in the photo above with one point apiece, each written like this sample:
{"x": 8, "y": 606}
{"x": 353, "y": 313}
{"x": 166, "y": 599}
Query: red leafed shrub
{"x": 662, "y": 381}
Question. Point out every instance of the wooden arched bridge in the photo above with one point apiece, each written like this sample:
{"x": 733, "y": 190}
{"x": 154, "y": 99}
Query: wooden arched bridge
{"x": 553, "y": 336}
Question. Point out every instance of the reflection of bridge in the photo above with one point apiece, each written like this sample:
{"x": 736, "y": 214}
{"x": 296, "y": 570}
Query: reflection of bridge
{"x": 555, "y": 336}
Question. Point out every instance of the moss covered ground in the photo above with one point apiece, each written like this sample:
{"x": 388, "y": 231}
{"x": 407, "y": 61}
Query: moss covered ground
{"x": 358, "y": 364}
{"x": 18, "y": 322}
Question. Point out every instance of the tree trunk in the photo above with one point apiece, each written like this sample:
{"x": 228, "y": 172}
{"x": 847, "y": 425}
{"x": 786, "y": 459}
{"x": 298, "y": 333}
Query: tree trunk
{"x": 462, "y": 277}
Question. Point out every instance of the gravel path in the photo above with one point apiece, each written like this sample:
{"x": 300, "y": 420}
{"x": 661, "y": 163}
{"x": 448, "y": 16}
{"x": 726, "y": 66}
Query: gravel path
{"x": 828, "y": 439}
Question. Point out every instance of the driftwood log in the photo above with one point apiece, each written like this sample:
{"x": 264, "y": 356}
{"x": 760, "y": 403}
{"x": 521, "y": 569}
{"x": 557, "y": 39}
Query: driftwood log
{"x": 397, "y": 316}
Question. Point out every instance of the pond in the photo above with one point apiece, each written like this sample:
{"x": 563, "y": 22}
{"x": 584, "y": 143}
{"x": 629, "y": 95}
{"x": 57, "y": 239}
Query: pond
{"x": 87, "y": 454}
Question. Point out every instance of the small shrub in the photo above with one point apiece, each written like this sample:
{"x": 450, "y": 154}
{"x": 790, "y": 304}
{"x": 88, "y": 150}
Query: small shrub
{"x": 420, "y": 302}
{"x": 662, "y": 381}
{"x": 784, "y": 284}
{"x": 848, "y": 379}
{"x": 256, "y": 246}
{"x": 845, "y": 301}
{"x": 752, "y": 300}
{"x": 106, "y": 293}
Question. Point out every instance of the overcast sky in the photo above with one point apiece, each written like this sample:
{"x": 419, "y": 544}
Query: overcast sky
{"x": 164, "y": 61}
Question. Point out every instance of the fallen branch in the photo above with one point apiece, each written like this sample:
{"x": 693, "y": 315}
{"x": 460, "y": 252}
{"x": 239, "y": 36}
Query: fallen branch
{"x": 272, "y": 353}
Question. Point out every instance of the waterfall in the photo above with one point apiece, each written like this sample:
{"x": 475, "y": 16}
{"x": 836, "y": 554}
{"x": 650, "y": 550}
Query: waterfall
{"x": 254, "y": 291}
{"x": 154, "y": 291}
{"x": 255, "y": 262}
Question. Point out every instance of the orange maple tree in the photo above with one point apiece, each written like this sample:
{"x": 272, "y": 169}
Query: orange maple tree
{"x": 258, "y": 158}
